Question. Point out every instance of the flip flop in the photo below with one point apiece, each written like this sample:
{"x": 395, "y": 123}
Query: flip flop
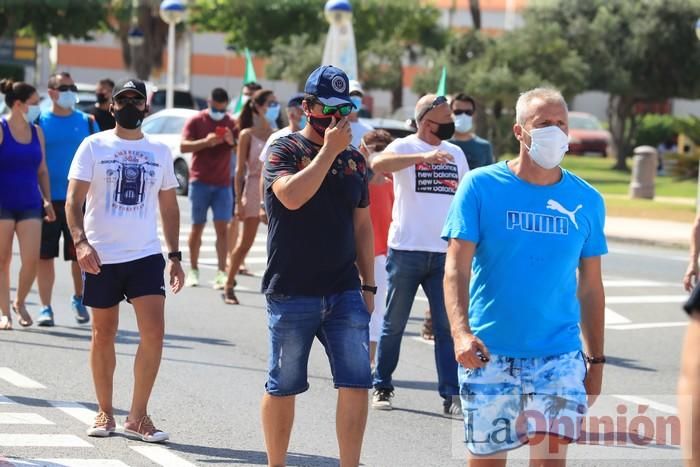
{"x": 244, "y": 272}
{"x": 25, "y": 319}
{"x": 230, "y": 297}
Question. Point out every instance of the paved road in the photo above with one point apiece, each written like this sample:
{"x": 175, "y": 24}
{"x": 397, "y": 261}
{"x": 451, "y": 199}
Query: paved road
{"x": 213, "y": 372}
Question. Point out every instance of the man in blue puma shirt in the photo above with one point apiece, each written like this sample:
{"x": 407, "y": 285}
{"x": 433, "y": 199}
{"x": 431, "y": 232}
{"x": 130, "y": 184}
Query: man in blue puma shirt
{"x": 64, "y": 129}
{"x": 519, "y": 232}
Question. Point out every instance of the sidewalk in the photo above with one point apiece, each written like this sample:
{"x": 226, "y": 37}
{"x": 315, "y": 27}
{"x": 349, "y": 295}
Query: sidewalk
{"x": 648, "y": 231}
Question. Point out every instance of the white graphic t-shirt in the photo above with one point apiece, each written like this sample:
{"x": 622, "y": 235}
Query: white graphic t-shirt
{"x": 423, "y": 194}
{"x": 122, "y": 203}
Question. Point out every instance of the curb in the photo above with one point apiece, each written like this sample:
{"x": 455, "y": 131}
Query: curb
{"x": 679, "y": 245}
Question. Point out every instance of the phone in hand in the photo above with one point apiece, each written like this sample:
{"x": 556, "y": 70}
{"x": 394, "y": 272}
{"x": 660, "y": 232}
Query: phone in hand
{"x": 220, "y": 131}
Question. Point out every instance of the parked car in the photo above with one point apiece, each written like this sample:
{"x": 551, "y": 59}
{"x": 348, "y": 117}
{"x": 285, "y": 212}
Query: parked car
{"x": 182, "y": 99}
{"x": 586, "y": 134}
{"x": 396, "y": 128}
{"x": 166, "y": 126}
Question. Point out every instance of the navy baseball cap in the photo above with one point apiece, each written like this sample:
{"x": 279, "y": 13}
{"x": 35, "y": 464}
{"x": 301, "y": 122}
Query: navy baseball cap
{"x": 296, "y": 100}
{"x": 330, "y": 85}
{"x": 130, "y": 84}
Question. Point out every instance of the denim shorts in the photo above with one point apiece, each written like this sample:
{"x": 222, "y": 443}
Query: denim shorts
{"x": 132, "y": 279}
{"x": 204, "y": 196}
{"x": 19, "y": 215}
{"x": 512, "y": 399}
{"x": 339, "y": 321}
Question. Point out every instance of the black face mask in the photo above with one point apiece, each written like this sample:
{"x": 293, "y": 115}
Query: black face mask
{"x": 319, "y": 124}
{"x": 445, "y": 130}
{"x": 129, "y": 116}
{"x": 101, "y": 98}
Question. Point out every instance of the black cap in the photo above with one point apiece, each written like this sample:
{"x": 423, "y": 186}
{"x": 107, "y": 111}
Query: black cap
{"x": 130, "y": 84}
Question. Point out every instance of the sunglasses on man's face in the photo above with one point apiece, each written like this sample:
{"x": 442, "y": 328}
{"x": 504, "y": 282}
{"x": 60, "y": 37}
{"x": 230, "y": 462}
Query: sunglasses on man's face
{"x": 343, "y": 109}
{"x": 67, "y": 87}
{"x": 469, "y": 112}
{"x": 439, "y": 100}
{"x": 123, "y": 100}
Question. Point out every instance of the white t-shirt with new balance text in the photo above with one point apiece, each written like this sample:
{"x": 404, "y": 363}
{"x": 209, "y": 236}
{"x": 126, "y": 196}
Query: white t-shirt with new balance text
{"x": 422, "y": 196}
{"x": 125, "y": 178}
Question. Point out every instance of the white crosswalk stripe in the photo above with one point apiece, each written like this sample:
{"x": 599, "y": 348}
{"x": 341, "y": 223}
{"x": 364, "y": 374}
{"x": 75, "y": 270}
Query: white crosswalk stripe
{"x": 19, "y": 418}
{"x": 255, "y": 261}
{"x": 16, "y": 379}
{"x": 16, "y": 418}
{"x": 67, "y": 463}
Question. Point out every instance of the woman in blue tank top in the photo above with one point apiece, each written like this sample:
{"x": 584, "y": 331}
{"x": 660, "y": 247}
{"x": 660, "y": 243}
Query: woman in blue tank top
{"x": 25, "y": 196}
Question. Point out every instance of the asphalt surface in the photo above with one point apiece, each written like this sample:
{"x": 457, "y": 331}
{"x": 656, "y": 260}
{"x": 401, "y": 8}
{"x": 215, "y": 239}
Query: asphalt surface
{"x": 213, "y": 373}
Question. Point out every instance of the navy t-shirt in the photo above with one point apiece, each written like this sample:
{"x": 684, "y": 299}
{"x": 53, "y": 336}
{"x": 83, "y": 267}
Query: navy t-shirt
{"x": 477, "y": 150}
{"x": 311, "y": 250}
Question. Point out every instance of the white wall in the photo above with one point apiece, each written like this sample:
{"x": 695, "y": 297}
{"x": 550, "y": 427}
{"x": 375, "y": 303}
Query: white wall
{"x": 593, "y": 102}
{"x": 685, "y": 107}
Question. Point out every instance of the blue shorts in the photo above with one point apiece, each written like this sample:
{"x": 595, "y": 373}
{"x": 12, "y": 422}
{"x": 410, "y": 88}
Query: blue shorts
{"x": 19, "y": 215}
{"x": 132, "y": 279}
{"x": 511, "y": 399}
{"x": 340, "y": 321}
{"x": 204, "y": 196}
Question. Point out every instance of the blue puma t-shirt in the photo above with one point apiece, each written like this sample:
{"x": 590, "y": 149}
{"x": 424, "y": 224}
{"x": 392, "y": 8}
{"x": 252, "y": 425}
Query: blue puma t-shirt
{"x": 529, "y": 241}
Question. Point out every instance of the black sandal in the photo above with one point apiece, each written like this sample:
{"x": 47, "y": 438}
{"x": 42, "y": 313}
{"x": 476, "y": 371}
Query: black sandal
{"x": 230, "y": 296}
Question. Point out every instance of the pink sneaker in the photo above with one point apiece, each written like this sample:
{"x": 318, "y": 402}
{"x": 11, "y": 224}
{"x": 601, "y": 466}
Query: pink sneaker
{"x": 144, "y": 430}
{"x": 104, "y": 425}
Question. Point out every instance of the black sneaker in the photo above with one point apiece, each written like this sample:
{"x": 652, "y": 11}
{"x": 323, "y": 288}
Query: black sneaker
{"x": 381, "y": 399}
{"x": 452, "y": 407}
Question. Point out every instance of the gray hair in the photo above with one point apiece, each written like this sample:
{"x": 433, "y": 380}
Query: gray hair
{"x": 523, "y": 110}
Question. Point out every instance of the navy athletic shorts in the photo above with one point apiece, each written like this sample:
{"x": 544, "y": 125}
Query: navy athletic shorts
{"x": 115, "y": 282}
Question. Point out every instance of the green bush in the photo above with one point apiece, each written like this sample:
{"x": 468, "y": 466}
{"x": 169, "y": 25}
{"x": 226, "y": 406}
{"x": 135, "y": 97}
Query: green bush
{"x": 654, "y": 129}
{"x": 14, "y": 72}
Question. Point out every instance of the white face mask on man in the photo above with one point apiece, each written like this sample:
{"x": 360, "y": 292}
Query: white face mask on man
{"x": 463, "y": 123}
{"x": 548, "y": 146}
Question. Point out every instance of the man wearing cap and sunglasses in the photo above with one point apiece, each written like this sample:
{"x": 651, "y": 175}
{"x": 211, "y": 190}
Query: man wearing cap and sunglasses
{"x": 319, "y": 280}
{"x": 427, "y": 170}
{"x": 64, "y": 129}
{"x": 125, "y": 177}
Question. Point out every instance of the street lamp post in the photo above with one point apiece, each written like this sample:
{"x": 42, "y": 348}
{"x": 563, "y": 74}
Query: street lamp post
{"x": 172, "y": 12}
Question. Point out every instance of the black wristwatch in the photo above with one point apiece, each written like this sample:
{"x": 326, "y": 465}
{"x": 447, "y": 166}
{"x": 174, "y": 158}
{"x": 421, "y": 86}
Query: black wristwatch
{"x": 175, "y": 255}
{"x": 369, "y": 288}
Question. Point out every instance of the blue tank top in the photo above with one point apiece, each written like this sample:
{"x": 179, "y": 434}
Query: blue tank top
{"x": 19, "y": 165}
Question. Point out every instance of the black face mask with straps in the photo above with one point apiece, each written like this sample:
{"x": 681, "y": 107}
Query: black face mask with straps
{"x": 445, "y": 130}
{"x": 129, "y": 116}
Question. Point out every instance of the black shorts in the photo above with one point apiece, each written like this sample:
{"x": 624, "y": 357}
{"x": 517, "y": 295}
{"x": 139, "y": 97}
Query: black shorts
{"x": 51, "y": 235}
{"x": 693, "y": 303}
{"x": 20, "y": 215}
{"x": 137, "y": 278}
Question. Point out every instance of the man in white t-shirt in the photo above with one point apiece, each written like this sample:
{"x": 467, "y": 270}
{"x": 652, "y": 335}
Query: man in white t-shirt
{"x": 427, "y": 170}
{"x": 357, "y": 126}
{"x": 123, "y": 177}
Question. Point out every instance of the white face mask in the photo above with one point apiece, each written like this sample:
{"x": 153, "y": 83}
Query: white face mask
{"x": 548, "y": 146}
{"x": 463, "y": 123}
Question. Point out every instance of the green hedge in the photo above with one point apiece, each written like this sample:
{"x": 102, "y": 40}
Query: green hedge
{"x": 14, "y": 72}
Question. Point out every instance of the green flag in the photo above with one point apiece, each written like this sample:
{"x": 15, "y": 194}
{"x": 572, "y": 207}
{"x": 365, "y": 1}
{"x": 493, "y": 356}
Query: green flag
{"x": 248, "y": 78}
{"x": 442, "y": 86}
